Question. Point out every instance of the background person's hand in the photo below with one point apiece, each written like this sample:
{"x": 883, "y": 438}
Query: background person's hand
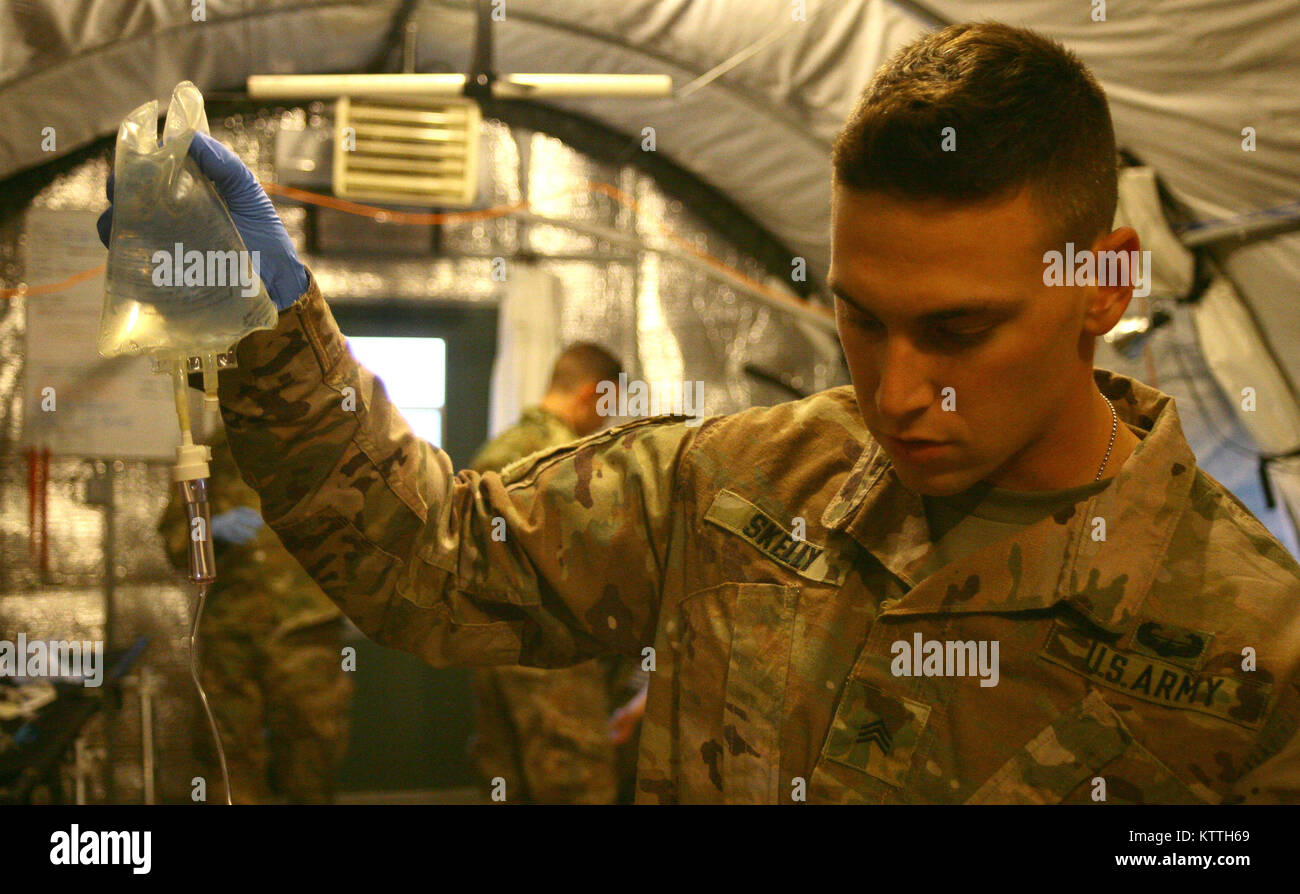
{"x": 236, "y": 526}
{"x": 254, "y": 216}
{"x": 625, "y": 720}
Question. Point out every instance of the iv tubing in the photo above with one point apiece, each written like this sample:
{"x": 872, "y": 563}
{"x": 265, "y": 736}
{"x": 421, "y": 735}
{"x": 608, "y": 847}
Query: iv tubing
{"x": 187, "y": 437}
{"x": 203, "y": 695}
{"x": 182, "y": 399}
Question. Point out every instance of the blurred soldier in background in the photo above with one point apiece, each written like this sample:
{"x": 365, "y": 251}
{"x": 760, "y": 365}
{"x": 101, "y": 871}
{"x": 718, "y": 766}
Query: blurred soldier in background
{"x": 271, "y": 653}
{"x": 547, "y": 733}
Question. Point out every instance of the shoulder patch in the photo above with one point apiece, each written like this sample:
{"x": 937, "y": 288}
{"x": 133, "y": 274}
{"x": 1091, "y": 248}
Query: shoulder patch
{"x": 807, "y": 559}
{"x": 1152, "y": 680}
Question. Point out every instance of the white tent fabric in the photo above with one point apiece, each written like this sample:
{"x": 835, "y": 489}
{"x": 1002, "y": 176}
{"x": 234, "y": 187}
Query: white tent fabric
{"x": 1185, "y": 79}
{"x": 528, "y": 341}
{"x": 1228, "y": 338}
{"x": 1173, "y": 266}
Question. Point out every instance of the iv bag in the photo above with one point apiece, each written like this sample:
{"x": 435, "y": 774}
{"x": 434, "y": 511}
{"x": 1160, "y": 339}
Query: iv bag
{"x": 180, "y": 279}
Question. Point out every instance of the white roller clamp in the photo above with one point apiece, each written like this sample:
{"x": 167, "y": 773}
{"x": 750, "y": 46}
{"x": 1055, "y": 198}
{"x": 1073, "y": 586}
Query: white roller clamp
{"x": 191, "y": 461}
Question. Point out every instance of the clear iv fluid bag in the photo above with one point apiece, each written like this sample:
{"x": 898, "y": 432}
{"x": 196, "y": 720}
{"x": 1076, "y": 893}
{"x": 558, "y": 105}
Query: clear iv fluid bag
{"x": 180, "y": 280}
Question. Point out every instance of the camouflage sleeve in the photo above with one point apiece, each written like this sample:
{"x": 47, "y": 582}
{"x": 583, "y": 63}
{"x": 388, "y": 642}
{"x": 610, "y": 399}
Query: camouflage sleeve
{"x": 496, "y": 455}
{"x": 558, "y": 559}
{"x": 527, "y": 436}
{"x": 1276, "y": 781}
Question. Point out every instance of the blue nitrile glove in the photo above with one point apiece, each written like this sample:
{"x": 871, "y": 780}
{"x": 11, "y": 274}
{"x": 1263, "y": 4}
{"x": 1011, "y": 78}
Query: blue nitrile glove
{"x": 236, "y": 526}
{"x": 254, "y": 216}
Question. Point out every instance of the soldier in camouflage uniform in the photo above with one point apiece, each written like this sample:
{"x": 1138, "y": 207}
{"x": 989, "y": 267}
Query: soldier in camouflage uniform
{"x": 270, "y": 645}
{"x": 783, "y": 561}
{"x": 543, "y": 732}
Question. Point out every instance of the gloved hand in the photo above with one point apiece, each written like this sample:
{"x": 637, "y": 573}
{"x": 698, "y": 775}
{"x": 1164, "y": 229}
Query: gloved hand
{"x": 254, "y": 216}
{"x": 236, "y": 526}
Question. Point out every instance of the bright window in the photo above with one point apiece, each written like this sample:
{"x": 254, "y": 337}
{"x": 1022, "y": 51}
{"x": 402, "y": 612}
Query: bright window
{"x": 414, "y": 373}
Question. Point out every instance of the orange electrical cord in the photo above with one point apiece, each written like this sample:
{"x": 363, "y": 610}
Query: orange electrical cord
{"x": 385, "y": 215}
{"x": 59, "y": 286}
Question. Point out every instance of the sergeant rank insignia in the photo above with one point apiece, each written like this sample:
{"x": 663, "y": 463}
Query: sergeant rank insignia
{"x": 876, "y": 732}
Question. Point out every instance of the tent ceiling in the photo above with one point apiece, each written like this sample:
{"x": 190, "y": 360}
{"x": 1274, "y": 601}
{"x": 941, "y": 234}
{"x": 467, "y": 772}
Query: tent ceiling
{"x": 1184, "y": 77}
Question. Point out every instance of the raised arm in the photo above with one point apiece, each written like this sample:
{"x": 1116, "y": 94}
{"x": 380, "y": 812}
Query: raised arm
{"x": 559, "y": 558}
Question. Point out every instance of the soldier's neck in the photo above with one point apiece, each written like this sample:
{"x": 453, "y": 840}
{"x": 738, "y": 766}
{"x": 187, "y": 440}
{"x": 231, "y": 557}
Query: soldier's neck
{"x": 560, "y": 406}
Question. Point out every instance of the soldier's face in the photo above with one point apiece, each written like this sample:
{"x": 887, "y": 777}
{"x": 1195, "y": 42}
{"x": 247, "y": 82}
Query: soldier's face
{"x": 961, "y": 357}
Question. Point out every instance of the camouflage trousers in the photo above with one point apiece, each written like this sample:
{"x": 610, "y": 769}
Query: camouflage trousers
{"x": 545, "y": 733}
{"x": 281, "y": 701}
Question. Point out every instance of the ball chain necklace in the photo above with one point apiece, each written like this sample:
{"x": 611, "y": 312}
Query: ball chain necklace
{"x": 1114, "y": 427}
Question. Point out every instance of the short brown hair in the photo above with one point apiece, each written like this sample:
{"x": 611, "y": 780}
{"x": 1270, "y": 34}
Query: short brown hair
{"x": 1025, "y": 110}
{"x": 583, "y": 362}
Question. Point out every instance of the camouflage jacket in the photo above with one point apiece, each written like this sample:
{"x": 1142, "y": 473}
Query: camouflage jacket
{"x": 257, "y": 570}
{"x": 1121, "y": 659}
{"x": 537, "y": 429}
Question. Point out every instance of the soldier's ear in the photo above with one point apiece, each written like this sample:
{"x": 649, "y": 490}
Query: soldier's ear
{"x": 1108, "y": 300}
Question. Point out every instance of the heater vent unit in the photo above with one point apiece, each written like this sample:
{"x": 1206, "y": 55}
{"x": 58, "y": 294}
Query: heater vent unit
{"x": 407, "y": 152}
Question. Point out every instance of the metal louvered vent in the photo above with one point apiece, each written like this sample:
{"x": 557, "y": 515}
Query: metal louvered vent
{"x": 411, "y": 152}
